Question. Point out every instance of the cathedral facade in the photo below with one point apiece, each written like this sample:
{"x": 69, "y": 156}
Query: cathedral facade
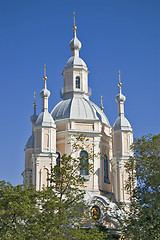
{"x": 73, "y": 116}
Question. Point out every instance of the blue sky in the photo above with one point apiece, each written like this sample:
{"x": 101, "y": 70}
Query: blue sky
{"x": 115, "y": 34}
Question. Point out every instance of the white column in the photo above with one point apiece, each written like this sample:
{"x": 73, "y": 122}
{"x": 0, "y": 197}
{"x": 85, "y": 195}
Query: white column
{"x": 33, "y": 169}
{"x": 37, "y": 176}
{"x": 124, "y": 187}
{"x": 42, "y": 136}
{"x": 120, "y": 183}
{"x": 122, "y": 143}
{"x": 96, "y": 165}
{"x": 101, "y": 166}
{"x": 112, "y": 178}
{"x": 117, "y": 180}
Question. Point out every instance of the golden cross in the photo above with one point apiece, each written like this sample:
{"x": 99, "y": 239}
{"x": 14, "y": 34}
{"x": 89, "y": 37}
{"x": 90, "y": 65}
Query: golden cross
{"x": 34, "y": 104}
{"x": 45, "y": 78}
{"x": 119, "y": 76}
{"x": 45, "y": 70}
{"x": 119, "y": 84}
{"x": 102, "y": 103}
{"x": 74, "y": 26}
{"x": 74, "y": 18}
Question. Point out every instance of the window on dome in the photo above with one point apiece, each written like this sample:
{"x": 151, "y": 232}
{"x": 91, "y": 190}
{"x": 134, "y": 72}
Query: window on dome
{"x": 106, "y": 169}
{"x": 84, "y": 163}
{"x": 78, "y": 82}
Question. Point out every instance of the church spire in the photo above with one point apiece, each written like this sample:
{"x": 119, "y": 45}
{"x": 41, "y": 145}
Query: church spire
{"x": 120, "y": 98}
{"x": 34, "y": 104}
{"x": 34, "y": 116}
{"x": 102, "y": 103}
{"x": 45, "y": 93}
{"x": 119, "y": 84}
{"x": 75, "y": 44}
{"x": 74, "y": 24}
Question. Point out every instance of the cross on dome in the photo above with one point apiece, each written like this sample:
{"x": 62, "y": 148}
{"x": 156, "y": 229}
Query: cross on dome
{"x": 34, "y": 116}
{"x": 102, "y": 103}
{"x": 74, "y": 26}
{"x": 120, "y": 97}
{"x": 75, "y": 45}
{"x": 45, "y": 93}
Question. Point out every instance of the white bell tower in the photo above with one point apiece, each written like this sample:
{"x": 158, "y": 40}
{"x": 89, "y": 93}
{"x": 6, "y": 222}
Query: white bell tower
{"x": 122, "y": 138}
{"x": 45, "y": 142}
{"x": 75, "y": 72}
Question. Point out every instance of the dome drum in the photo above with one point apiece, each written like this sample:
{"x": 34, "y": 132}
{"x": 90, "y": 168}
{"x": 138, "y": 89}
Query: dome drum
{"x": 70, "y": 93}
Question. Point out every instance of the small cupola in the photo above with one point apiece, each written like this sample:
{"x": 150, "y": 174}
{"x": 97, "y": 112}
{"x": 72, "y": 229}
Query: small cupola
{"x": 75, "y": 45}
{"x": 45, "y": 118}
{"x": 121, "y": 122}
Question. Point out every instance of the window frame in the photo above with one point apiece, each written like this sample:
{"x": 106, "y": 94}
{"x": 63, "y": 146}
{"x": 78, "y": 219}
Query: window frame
{"x": 84, "y": 172}
{"x": 77, "y": 82}
{"x": 106, "y": 169}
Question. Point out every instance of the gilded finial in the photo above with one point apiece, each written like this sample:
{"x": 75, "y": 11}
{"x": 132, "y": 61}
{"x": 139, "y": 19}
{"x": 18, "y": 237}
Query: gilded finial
{"x": 34, "y": 104}
{"x": 119, "y": 84}
{"x": 74, "y": 26}
{"x": 45, "y": 77}
{"x": 102, "y": 103}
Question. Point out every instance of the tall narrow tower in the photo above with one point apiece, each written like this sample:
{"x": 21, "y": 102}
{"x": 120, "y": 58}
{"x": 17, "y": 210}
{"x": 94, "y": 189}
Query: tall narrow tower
{"x": 122, "y": 138}
{"x": 44, "y": 155}
{"x": 29, "y": 150}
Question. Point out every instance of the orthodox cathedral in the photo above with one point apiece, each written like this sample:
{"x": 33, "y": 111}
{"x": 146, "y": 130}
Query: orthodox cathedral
{"x": 76, "y": 115}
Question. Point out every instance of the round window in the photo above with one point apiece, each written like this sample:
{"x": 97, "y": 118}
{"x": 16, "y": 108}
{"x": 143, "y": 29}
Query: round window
{"x": 95, "y": 212}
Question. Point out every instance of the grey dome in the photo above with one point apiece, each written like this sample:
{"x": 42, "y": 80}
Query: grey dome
{"x": 78, "y": 107}
{"x": 45, "y": 119}
{"x": 30, "y": 142}
{"x": 45, "y": 93}
{"x": 34, "y": 118}
{"x": 120, "y": 97}
{"x": 75, "y": 44}
{"x": 122, "y": 123}
{"x": 75, "y": 61}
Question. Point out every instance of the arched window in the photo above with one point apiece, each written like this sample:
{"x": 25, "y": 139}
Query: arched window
{"x": 84, "y": 163}
{"x": 57, "y": 170}
{"x": 106, "y": 169}
{"x": 78, "y": 82}
{"x": 58, "y": 159}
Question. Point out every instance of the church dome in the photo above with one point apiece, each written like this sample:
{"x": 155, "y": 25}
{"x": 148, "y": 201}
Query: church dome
{"x": 79, "y": 108}
{"x": 75, "y": 61}
{"x": 45, "y": 119}
{"x": 30, "y": 142}
{"x": 45, "y": 93}
{"x": 122, "y": 123}
{"x": 75, "y": 44}
{"x": 120, "y": 97}
{"x": 34, "y": 118}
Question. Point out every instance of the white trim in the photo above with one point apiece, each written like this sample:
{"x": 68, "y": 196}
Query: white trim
{"x": 96, "y": 159}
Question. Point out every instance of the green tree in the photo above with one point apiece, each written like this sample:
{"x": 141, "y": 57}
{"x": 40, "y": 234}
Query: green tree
{"x": 142, "y": 221}
{"x": 18, "y": 211}
{"x": 57, "y": 212}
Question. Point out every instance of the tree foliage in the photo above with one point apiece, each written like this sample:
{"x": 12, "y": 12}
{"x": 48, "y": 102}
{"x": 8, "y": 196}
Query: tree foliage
{"x": 143, "y": 218}
{"x": 18, "y": 211}
{"x": 57, "y": 212}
